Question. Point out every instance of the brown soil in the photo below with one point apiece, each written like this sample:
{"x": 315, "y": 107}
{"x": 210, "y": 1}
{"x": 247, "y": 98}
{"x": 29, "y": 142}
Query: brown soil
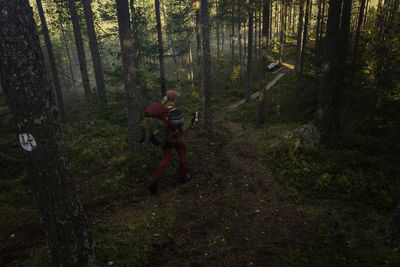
{"x": 230, "y": 213}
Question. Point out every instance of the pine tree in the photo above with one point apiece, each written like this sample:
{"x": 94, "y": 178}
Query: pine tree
{"x": 53, "y": 67}
{"x": 128, "y": 66}
{"x": 250, "y": 50}
{"x": 94, "y": 49}
{"x": 160, "y": 48}
{"x": 264, "y": 62}
{"x": 81, "y": 58}
{"x": 205, "y": 29}
{"x": 35, "y": 114}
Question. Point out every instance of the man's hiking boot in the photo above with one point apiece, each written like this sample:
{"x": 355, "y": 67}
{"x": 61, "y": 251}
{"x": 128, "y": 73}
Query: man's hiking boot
{"x": 184, "y": 180}
{"x": 153, "y": 187}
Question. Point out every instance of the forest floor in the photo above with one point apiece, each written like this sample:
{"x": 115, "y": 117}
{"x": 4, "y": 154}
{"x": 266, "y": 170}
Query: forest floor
{"x": 231, "y": 213}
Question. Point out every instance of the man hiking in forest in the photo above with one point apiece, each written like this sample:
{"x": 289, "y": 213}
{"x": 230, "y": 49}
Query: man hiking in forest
{"x": 174, "y": 140}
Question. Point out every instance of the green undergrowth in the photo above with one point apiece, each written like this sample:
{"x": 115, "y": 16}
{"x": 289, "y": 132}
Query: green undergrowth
{"x": 347, "y": 191}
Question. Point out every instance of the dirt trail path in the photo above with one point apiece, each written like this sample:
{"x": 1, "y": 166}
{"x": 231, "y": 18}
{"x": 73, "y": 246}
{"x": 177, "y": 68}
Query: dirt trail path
{"x": 231, "y": 213}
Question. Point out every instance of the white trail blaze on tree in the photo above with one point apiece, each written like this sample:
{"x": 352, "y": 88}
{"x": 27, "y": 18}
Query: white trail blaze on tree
{"x": 36, "y": 117}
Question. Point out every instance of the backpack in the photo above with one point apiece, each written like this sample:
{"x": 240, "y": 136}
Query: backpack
{"x": 161, "y": 125}
{"x": 154, "y": 125}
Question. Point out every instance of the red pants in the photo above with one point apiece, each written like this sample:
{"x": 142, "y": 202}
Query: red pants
{"x": 166, "y": 150}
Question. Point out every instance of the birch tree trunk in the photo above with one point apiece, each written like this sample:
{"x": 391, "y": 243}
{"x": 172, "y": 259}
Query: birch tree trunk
{"x": 128, "y": 67}
{"x": 35, "y": 114}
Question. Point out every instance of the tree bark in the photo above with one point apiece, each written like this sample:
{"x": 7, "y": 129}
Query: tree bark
{"x": 240, "y": 49}
{"x": 392, "y": 238}
{"x": 34, "y": 112}
{"x": 217, "y": 20}
{"x": 54, "y": 72}
{"x": 81, "y": 58}
{"x": 205, "y": 28}
{"x": 263, "y": 63}
{"x": 68, "y": 55}
{"x": 358, "y": 31}
{"x": 299, "y": 34}
{"x": 128, "y": 67}
{"x": 318, "y": 24}
{"x": 233, "y": 37}
{"x": 305, "y": 35}
{"x": 160, "y": 48}
{"x": 94, "y": 49}
{"x": 198, "y": 54}
{"x": 255, "y": 26}
{"x": 250, "y": 50}
{"x": 282, "y": 32}
{"x": 326, "y": 110}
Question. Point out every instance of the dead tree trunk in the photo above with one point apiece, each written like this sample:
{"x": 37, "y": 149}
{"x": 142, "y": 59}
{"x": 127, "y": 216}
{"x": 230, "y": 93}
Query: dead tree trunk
{"x": 128, "y": 67}
{"x": 35, "y": 114}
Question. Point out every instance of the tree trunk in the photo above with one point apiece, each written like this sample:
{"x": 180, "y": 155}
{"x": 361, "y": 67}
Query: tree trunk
{"x": 68, "y": 55}
{"x": 325, "y": 117}
{"x": 294, "y": 17}
{"x": 259, "y": 29}
{"x": 282, "y": 32}
{"x": 263, "y": 63}
{"x": 205, "y": 27}
{"x": 305, "y": 35}
{"x": 54, "y": 72}
{"x": 160, "y": 48}
{"x": 81, "y": 58}
{"x": 318, "y": 24}
{"x": 223, "y": 39}
{"x": 250, "y": 49}
{"x": 255, "y": 26}
{"x": 299, "y": 34}
{"x": 35, "y": 114}
{"x": 358, "y": 31}
{"x": 240, "y": 49}
{"x": 322, "y": 30}
{"x": 94, "y": 49}
{"x": 198, "y": 54}
{"x": 232, "y": 37}
{"x": 392, "y": 238}
{"x": 128, "y": 67}
{"x": 217, "y": 22}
